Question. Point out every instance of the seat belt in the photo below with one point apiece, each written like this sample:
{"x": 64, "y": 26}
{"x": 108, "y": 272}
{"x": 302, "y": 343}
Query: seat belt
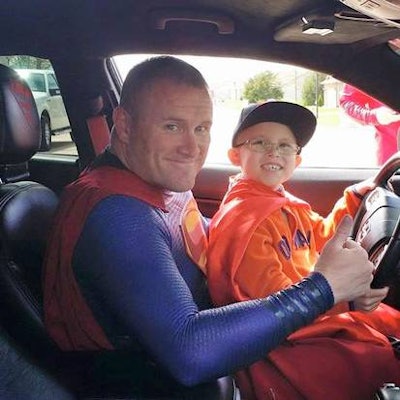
{"x": 99, "y": 132}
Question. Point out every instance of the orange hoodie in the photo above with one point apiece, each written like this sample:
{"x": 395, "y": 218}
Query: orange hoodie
{"x": 262, "y": 240}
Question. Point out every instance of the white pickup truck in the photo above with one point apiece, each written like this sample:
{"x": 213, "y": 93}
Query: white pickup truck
{"x": 50, "y": 105}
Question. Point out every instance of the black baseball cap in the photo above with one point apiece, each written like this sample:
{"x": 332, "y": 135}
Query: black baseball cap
{"x": 299, "y": 119}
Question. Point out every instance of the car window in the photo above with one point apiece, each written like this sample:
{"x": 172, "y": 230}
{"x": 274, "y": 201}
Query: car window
{"x": 236, "y": 82}
{"x": 36, "y": 81}
{"x": 52, "y": 81}
{"x": 54, "y": 123}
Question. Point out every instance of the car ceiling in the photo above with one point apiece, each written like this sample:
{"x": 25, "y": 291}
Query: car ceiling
{"x": 265, "y": 29}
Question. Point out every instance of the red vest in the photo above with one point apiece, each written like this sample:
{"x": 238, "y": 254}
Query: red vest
{"x": 68, "y": 318}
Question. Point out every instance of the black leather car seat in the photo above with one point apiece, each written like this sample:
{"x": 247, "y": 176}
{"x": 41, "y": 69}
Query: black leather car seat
{"x": 21, "y": 378}
{"x": 26, "y": 209}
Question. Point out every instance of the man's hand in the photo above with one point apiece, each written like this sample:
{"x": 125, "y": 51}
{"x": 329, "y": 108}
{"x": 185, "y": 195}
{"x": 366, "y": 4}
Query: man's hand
{"x": 371, "y": 299}
{"x": 345, "y": 265}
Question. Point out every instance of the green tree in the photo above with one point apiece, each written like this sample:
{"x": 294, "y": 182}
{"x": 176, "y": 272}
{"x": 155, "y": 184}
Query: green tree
{"x": 312, "y": 88}
{"x": 263, "y": 86}
{"x": 25, "y": 62}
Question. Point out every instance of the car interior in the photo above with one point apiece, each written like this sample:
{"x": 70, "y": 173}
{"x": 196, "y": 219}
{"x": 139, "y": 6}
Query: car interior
{"x": 349, "y": 40}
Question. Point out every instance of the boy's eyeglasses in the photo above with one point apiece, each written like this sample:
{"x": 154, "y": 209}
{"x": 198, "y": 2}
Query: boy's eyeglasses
{"x": 262, "y": 146}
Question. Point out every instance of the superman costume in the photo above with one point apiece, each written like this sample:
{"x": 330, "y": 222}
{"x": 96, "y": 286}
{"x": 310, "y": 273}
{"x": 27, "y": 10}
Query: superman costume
{"x": 262, "y": 241}
{"x": 117, "y": 276}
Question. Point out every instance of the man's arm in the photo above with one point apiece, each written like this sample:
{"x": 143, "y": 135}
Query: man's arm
{"x": 358, "y": 106}
{"x": 366, "y": 109}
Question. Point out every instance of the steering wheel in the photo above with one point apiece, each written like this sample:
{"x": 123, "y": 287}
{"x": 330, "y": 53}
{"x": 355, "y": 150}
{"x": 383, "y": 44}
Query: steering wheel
{"x": 377, "y": 225}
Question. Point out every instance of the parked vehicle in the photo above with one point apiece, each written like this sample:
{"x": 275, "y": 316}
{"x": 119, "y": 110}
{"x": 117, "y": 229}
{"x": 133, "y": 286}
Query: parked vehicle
{"x": 49, "y": 102}
{"x": 91, "y": 45}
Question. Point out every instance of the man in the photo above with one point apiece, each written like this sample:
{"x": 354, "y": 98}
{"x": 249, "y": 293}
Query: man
{"x": 117, "y": 273}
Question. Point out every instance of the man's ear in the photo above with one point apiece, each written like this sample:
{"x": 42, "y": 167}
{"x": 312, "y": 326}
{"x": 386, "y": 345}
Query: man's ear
{"x": 298, "y": 160}
{"x": 234, "y": 156}
{"x": 122, "y": 123}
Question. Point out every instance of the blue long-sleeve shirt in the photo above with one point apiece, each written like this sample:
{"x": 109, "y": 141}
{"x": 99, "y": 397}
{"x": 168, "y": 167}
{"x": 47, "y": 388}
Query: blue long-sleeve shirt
{"x": 131, "y": 265}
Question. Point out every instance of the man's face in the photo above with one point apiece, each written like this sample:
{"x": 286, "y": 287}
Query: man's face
{"x": 169, "y": 135}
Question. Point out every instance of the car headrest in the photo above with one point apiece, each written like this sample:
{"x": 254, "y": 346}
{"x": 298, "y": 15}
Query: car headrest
{"x": 19, "y": 119}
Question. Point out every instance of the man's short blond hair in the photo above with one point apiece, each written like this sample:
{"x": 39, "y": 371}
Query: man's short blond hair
{"x": 142, "y": 75}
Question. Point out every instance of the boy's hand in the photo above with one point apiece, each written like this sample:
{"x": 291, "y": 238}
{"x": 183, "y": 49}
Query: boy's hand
{"x": 362, "y": 188}
{"x": 371, "y": 299}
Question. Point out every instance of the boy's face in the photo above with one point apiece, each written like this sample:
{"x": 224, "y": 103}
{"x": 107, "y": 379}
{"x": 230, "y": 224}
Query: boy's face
{"x": 270, "y": 167}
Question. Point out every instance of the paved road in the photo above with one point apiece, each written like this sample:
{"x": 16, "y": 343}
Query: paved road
{"x": 62, "y": 144}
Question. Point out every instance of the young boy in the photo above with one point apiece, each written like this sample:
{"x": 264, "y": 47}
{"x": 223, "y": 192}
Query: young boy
{"x": 264, "y": 239}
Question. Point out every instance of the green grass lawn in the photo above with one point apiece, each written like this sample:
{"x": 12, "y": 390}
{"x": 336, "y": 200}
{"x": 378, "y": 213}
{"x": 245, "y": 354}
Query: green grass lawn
{"x": 326, "y": 116}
